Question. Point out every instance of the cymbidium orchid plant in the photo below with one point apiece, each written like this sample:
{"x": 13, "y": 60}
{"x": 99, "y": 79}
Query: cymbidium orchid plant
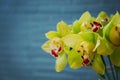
{"x": 86, "y": 42}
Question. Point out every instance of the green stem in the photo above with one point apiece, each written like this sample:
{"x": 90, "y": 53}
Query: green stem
{"x": 112, "y": 68}
{"x": 102, "y": 77}
{"x": 116, "y": 70}
{"x": 106, "y": 72}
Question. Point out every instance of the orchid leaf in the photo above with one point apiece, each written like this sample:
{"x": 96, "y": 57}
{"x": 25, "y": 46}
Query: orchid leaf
{"x": 98, "y": 65}
{"x": 75, "y": 59}
{"x": 61, "y": 62}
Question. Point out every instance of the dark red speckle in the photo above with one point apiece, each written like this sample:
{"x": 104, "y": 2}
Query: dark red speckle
{"x": 59, "y": 49}
{"x": 54, "y": 53}
{"x": 78, "y": 51}
{"x": 106, "y": 19}
{"x": 97, "y": 24}
{"x": 94, "y": 29}
{"x": 86, "y": 62}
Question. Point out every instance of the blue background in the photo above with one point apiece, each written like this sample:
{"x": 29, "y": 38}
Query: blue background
{"x": 23, "y": 24}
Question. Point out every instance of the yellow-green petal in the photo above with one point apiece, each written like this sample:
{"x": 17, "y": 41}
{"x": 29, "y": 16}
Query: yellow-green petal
{"x": 115, "y": 57}
{"x": 75, "y": 59}
{"x": 86, "y": 16}
{"x": 71, "y": 40}
{"x": 46, "y": 46}
{"x": 61, "y": 62}
{"x": 76, "y": 26}
{"x": 98, "y": 65}
{"x": 63, "y": 29}
{"x": 52, "y": 34}
{"x": 105, "y": 48}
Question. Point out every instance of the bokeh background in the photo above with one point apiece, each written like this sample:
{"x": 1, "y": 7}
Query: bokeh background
{"x": 23, "y": 24}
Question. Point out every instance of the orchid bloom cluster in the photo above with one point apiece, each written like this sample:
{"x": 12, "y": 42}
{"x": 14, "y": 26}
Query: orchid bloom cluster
{"x": 82, "y": 43}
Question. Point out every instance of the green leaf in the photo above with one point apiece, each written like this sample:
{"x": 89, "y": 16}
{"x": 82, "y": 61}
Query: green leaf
{"x": 63, "y": 29}
{"x": 52, "y": 34}
{"x": 115, "y": 57}
{"x": 61, "y": 62}
{"x": 98, "y": 65}
{"x": 46, "y": 46}
{"x": 75, "y": 59}
{"x": 84, "y": 21}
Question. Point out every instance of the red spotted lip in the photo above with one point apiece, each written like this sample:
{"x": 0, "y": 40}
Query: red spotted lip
{"x": 54, "y": 53}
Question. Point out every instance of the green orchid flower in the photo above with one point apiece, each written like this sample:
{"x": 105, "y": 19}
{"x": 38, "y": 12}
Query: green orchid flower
{"x": 81, "y": 47}
{"x": 87, "y": 22}
{"x": 112, "y": 34}
{"x": 55, "y": 45}
{"x": 102, "y": 18}
{"x": 84, "y": 42}
{"x": 112, "y": 30}
{"x": 62, "y": 30}
{"x": 83, "y": 23}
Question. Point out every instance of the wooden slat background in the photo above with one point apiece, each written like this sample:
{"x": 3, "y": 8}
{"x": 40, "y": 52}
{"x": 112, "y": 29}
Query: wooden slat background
{"x": 23, "y": 24}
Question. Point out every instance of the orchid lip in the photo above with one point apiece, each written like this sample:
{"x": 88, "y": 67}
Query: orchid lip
{"x": 54, "y": 53}
{"x": 60, "y": 48}
{"x": 94, "y": 29}
{"x": 97, "y": 24}
{"x": 85, "y": 61}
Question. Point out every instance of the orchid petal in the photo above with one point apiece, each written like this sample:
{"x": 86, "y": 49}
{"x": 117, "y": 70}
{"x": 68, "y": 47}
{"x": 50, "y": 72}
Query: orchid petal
{"x": 63, "y": 29}
{"x": 52, "y": 34}
{"x": 75, "y": 59}
{"x": 61, "y": 62}
{"x": 46, "y": 46}
{"x": 115, "y": 57}
{"x": 98, "y": 65}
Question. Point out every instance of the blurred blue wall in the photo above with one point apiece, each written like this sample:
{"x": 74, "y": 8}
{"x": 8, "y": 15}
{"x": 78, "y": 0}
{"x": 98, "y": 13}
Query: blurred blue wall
{"x": 23, "y": 24}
